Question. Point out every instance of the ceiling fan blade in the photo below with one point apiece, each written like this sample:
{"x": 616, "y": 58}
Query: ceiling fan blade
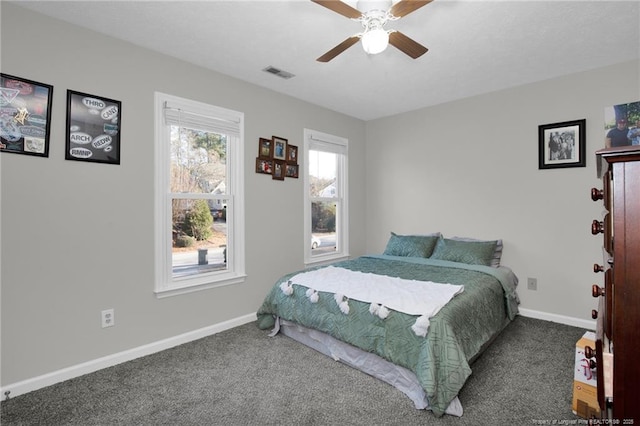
{"x": 338, "y": 49}
{"x": 407, "y": 45}
{"x": 405, "y": 7}
{"x": 340, "y": 7}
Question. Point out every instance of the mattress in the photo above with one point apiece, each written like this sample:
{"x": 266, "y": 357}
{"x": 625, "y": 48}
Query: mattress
{"x": 457, "y": 333}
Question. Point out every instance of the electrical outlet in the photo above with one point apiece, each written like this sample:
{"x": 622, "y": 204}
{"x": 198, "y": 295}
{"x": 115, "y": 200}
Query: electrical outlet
{"x": 532, "y": 283}
{"x": 108, "y": 318}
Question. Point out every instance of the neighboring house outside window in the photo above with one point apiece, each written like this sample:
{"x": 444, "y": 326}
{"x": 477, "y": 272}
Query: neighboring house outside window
{"x": 326, "y": 206}
{"x": 199, "y": 196}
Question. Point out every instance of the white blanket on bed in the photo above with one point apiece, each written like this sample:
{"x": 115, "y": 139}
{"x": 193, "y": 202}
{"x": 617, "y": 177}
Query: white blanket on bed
{"x": 412, "y": 297}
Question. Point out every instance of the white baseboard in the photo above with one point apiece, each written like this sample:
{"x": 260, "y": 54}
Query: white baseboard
{"x": 54, "y": 377}
{"x": 562, "y": 319}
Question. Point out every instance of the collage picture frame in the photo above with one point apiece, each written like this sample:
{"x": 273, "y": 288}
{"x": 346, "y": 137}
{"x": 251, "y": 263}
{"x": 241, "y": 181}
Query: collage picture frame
{"x": 278, "y": 158}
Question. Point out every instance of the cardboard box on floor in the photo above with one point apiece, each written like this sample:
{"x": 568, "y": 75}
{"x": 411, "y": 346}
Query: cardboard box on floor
{"x": 585, "y": 394}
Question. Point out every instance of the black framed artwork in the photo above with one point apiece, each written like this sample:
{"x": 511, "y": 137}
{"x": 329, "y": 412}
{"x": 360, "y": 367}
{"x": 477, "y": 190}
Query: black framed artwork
{"x": 25, "y": 116}
{"x": 562, "y": 145}
{"x": 93, "y": 128}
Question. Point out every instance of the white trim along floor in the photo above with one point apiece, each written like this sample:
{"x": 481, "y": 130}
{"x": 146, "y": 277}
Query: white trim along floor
{"x": 58, "y": 376}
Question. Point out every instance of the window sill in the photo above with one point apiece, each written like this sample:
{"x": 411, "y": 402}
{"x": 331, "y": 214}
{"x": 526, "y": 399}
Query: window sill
{"x": 177, "y": 291}
{"x": 325, "y": 260}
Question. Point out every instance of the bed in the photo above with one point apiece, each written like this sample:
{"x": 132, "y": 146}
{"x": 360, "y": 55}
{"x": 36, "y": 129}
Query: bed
{"x": 422, "y": 347}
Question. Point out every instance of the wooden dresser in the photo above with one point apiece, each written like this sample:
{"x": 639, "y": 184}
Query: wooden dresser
{"x": 617, "y": 351}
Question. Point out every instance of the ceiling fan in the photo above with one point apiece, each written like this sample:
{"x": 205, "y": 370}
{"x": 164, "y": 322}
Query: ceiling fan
{"x": 373, "y": 15}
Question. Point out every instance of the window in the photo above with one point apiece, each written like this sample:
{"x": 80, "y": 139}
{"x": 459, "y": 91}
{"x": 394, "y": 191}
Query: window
{"x": 326, "y": 203}
{"x": 199, "y": 196}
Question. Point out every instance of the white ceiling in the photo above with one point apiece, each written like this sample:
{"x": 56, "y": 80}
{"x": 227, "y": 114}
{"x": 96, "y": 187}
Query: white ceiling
{"x": 475, "y": 46}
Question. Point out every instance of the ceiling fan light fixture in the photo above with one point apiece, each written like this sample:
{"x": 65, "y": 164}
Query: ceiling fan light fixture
{"x": 373, "y": 15}
{"x": 375, "y": 41}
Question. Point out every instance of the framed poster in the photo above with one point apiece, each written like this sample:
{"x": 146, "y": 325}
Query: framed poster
{"x": 25, "y": 116}
{"x": 93, "y": 128}
{"x": 562, "y": 145}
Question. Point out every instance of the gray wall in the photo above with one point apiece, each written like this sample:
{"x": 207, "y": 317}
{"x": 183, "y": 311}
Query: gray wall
{"x": 470, "y": 168}
{"x": 78, "y": 237}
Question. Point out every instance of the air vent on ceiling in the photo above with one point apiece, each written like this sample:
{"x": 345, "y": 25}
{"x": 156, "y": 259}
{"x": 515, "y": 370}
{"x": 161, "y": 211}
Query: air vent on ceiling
{"x": 278, "y": 72}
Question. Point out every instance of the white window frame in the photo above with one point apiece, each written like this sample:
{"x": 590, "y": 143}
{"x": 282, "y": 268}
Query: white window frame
{"x": 165, "y": 284}
{"x": 319, "y": 141}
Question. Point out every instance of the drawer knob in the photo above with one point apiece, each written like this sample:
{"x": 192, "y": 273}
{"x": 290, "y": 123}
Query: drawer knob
{"x": 597, "y": 194}
{"x": 589, "y": 352}
{"x": 598, "y": 268}
{"x": 597, "y": 227}
{"x": 597, "y": 291}
{"x": 594, "y": 314}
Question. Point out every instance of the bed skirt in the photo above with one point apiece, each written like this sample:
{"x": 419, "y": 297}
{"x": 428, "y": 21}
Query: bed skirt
{"x": 369, "y": 363}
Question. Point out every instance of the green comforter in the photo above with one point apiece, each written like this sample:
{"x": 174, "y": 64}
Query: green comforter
{"x": 456, "y": 334}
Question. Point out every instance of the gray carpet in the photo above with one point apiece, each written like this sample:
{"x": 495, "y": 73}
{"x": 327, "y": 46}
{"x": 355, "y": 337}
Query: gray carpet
{"x": 243, "y": 377}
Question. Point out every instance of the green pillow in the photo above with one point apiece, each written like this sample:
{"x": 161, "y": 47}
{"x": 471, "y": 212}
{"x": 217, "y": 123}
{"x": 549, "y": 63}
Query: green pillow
{"x": 411, "y": 245}
{"x": 471, "y": 252}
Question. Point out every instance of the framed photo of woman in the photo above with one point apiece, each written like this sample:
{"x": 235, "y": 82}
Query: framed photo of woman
{"x": 279, "y": 148}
